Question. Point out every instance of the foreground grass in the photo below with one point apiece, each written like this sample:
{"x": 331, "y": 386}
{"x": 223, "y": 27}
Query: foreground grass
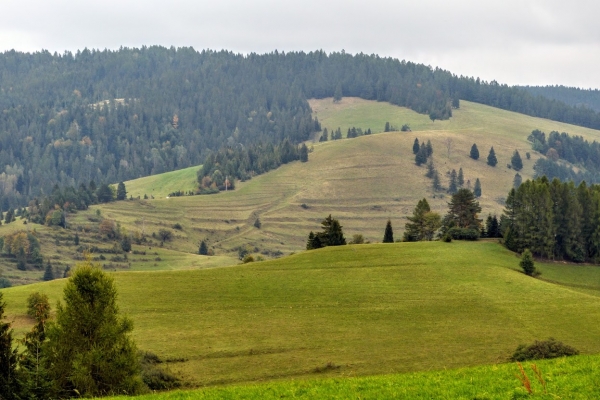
{"x": 369, "y": 309}
{"x": 566, "y": 378}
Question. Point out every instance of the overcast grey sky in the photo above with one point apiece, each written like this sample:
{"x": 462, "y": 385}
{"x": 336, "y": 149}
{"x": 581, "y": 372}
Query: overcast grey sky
{"x": 515, "y": 42}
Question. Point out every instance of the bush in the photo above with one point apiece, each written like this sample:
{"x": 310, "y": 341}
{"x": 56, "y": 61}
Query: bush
{"x": 447, "y": 238}
{"x": 178, "y": 227}
{"x": 550, "y": 348}
{"x": 154, "y": 377}
{"x": 4, "y": 283}
{"x": 248, "y": 259}
{"x": 463, "y": 233}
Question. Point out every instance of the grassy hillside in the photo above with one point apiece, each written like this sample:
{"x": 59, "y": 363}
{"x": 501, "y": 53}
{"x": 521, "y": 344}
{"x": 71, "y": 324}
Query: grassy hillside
{"x": 367, "y": 309}
{"x": 567, "y": 378}
{"x": 362, "y": 182}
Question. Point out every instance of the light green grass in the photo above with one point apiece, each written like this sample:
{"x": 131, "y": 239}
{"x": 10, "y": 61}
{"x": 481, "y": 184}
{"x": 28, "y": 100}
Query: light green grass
{"x": 566, "y": 378}
{"x": 161, "y": 185}
{"x": 370, "y": 309}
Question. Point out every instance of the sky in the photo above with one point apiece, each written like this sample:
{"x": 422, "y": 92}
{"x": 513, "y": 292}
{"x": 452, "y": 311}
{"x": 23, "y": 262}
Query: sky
{"x": 525, "y": 42}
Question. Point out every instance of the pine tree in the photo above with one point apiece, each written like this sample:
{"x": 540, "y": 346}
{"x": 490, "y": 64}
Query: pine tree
{"x": 9, "y": 382}
{"x": 516, "y": 161}
{"x": 121, "y": 191}
{"x": 492, "y": 160}
{"x": 89, "y": 347}
{"x": 423, "y": 223}
{"x": 527, "y": 263}
{"x": 416, "y": 146}
{"x": 126, "y": 243}
{"x": 388, "y": 236}
{"x": 436, "y": 183}
{"x": 463, "y": 210}
{"x": 430, "y": 169}
{"x": 474, "y": 152}
{"x": 429, "y": 148}
{"x": 477, "y": 188}
{"x": 203, "y": 249}
{"x": 387, "y": 127}
{"x": 460, "y": 179}
{"x": 421, "y": 157}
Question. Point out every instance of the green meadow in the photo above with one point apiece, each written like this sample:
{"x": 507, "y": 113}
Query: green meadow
{"x": 348, "y": 311}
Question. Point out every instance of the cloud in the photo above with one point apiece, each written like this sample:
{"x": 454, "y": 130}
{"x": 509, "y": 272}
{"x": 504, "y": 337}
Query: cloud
{"x": 511, "y": 41}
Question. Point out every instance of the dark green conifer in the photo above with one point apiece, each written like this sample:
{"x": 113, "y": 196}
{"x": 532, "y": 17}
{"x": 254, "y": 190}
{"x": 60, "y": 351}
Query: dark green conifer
{"x": 492, "y": 160}
{"x": 460, "y": 180}
{"x": 203, "y": 250}
{"x": 527, "y": 263}
{"x": 516, "y": 161}
{"x": 416, "y": 146}
{"x": 9, "y": 383}
{"x": 121, "y": 191}
{"x": 477, "y": 188}
{"x": 453, "y": 186}
{"x": 303, "y": 153}
{"x": 474, "y": 152}
{"x": 388, "y": 236}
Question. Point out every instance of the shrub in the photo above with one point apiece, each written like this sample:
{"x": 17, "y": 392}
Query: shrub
{"x": 463, "y": 233}
{"x": 178, "y": 227}
{"x": 248, "y": 259}
{"x": 155, "y": 377}
{"x": 447, "y": 238}
{"x": 538, "y": 350}
{"x": 165, "y": 235}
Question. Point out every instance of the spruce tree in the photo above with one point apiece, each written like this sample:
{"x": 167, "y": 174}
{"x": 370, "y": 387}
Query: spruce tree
{"x": 387, "y": 127}
{"x": 517, "y": 181}
{"x": 453, "y": 186}
{"x": 474, "y": 152}
{"x": 48, "y": 273}
{"x": 477, "y": 188}
{"x": 303, "y": 153}
{"x": 388, "y": 236}
{"x": 463, "y": 210}
{"x": 89, "y": 347}
{"x": 416, "y": 146}
{"x": 527, "y": 263}
{"x": 492, "y": 160}
{"x": 203, "y": 249}
{"x": 516, "y": 161}
{"x": 121, "y": 191}
{"x": 430, "y": 169}
{"x": 421, "y": 157}
{"x": 460, "y": 179}
{"x": 423, "y": 223}
{"x": 429, "y": 148}
{"x": 436, "y": 183}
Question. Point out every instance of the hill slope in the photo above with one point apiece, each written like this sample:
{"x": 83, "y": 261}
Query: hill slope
{"x": 370, "y": 309}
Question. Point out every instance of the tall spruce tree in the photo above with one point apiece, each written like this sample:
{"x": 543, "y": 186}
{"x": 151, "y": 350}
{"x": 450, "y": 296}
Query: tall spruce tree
{"x": 527, "y": 263}
{"x": 421, "y": 157}
{"x": 518, "y": 179}
{"x": 460, "y": 179}
{"x": 423, "y": 223}
{"x": 121, "y": 191}
{"x": 474, "y": 152}
{"x": 416, "y": 146}
{"x": 453, "y": 184}
{"x": 463, "y": 210}
{"x": 477, "y": 188}
{"x": 491, "y": 159}
{"x": 388, "y": 236}
{"x": 303, "y": 153}
{"x": 203, "y": 249}
{"x": 436, "y": 183}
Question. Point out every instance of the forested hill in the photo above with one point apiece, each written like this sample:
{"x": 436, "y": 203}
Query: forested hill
{"x": 113, "y": 115}
{"x": 589, "y": 98}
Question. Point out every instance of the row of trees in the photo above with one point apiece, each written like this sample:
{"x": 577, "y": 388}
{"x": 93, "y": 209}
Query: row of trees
{"x": 554, "y": 219}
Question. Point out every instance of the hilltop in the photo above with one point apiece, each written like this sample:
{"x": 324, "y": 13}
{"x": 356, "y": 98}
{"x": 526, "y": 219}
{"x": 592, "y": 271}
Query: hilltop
{"x": 362, "y": 182}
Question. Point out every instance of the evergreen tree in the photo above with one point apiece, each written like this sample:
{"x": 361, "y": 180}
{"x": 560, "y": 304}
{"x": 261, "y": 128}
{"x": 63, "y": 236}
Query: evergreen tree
{"x": 430, "y": 169}
{"x": 436, "y": 183}
{"x": 463, "y": 210}
{"x": 387, "y": 127}
{"x": 324, "y": 136}
{"x": 517, "y": 180}
{"x": 527, "y": 263}
{"x": 203, "y": 249}
{"x": 492, "y": 160}
{"x": 257, "y": 223}
{"x": 126, "y": 243}
{"x": 388, "y": 236}
{"x": 9, "y": 383}
{"x": 36, "y": 376}
{"x": 104, "y": 193}
{"x": 429, "y": 148}
{"x": 48, "y": 272}
{"x": 421, "y": 157}
{"x": 474, "y": 152}
{"x": 89, "y": 348}
{"x": 516, "y": 161}
{"x": 303, "y": 153}
{"x": 477, "y": 188}
{"x": 460, "y": 179}
{"x": 416, "y": 146}
{"x": 423, "y": 223}
{"x": 332, "y": 234}
{"x": 453, "y": 185}
{"x": 337, "y": 94}
{"x": 121, "y": 191}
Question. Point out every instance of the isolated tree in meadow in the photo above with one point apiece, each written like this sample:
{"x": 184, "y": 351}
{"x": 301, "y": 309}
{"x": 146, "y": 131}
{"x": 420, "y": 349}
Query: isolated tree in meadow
{"x": 332, "y": 235}
{"x": 48, "y": 272}
{"x": 429, "y": 148}
{"x": 388, "y": 236}
{"x": 203, "y": 249}
{"x": 430, "y": 169}
{"x": 463, "y": 209}
{"x": 121, "y": 191}
{"x": 436, "y": 183}
{"x": 423, "y": 223}
{"x": 477, "y": 188}
{"x": 126, "y": 243}
{"x": 165, "y": 235}
{"x": 492, "y": 160}
{"x": 9, "y": 383}
{"x": 448, "y": 142}
{"x": 416, "y": 146}
{"x": 474, "y": 152}
{"x": 453, "y": 185}
{"x": 527, "y": 264}
{"x": 387, "y": 127}
{"x": 516, "y": 161}
{"x": 303, "y": 153}
{"x": 460, "y": 179}
{"x": 89, "y": 348}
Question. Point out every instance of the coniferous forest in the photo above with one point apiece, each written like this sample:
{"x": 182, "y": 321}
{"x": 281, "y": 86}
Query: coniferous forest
{"x": 108, "y": 116}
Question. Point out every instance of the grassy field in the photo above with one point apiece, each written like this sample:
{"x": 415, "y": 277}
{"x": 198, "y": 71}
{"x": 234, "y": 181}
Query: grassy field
{"x": 366, "y": 309}
{"x": 363, "y": 182}
{"x": 566, "y": 378}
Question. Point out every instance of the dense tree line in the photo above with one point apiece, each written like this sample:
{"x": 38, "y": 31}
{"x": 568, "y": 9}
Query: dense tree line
{"x": 222, "y": 167}
{"x": 573, "y": 149}
{"x": 114, "y": 115}
{"x": 554, "y": 219}
{"x": 572, "y": 96}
